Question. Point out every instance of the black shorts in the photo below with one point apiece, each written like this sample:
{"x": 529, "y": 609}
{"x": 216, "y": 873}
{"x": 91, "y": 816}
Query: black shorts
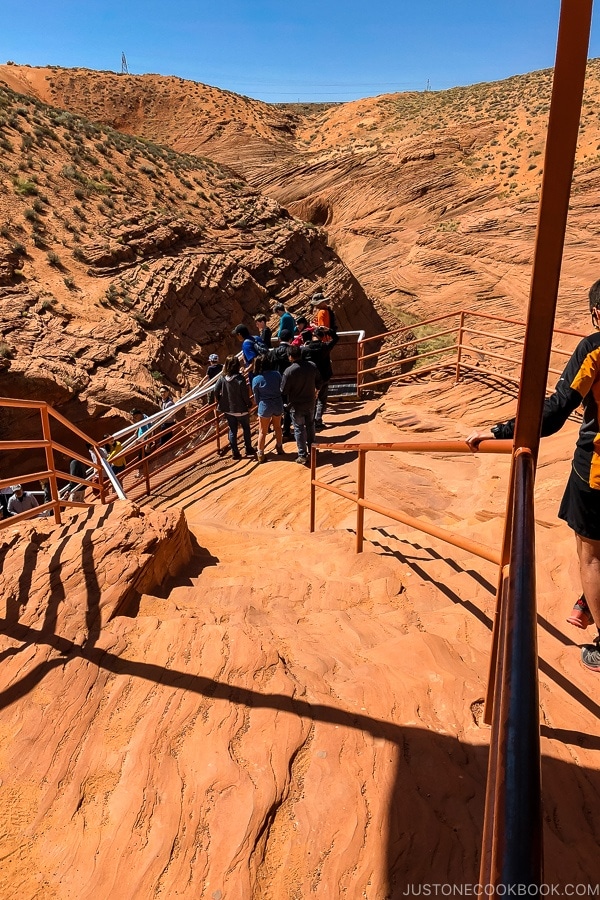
{"x": 580, "y": 507}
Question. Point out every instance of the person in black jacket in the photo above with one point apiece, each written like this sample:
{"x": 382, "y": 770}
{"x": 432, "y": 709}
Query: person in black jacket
{"x": 578, "y": 385}
{"x": 319, "y": 352}
{"x": 233, "y": 399}
{"x": 300, "y": 383}
{"x": 280, "y": 357}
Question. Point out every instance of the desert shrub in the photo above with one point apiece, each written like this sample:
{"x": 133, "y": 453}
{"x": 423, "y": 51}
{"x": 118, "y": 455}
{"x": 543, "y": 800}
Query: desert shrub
{"x": 80, "y": 194}
{"x": 25, "y": 187}
{"x": 78, "y": 254}
{"x": 54, "y": 259}
{"x": 37, "y": 205}
{"x": 30, "y": 214}
{"x": 70, "y": 283}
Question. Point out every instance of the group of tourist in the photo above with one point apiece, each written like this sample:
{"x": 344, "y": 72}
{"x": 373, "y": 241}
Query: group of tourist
{"x": 289, "y": 382}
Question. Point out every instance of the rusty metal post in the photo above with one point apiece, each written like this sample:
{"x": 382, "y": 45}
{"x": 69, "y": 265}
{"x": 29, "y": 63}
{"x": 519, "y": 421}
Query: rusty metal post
{"x": 217, "y": 431}
{"x": 561, "y": 142}
{"x": 459, "y": 341}
{"x": 360, "y": 494}
{"x": 47, "y": 435}
{"x": 147, "y": 475}
{"x": 313, "y": 475}
{"x": 499, "y": 862}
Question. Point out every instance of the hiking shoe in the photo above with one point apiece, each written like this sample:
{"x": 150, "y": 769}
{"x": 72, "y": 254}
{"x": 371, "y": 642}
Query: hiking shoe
{"x": 260, "y": 457}
{"x": 236, "y": 455}
{"x": 250, "y": 454}
{"x": 319, "y": 425}
{"x": 279, "y": 450}
{"x": 590, "y": 655}
{"x": 581, "y": 615}
{"x": 302, "y": 460}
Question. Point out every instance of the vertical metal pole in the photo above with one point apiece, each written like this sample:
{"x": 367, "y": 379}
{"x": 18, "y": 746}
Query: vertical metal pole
{"x": 561, "y": 143}
{"x": 360, "y": 491}
{"x": 101, "y": 483}
{"x": 217, "y": 427}
{"x": 47, "y": 435}
{"x": 359, "y": 356}
{"x": 313, "y": 475}
{"x": 563, "y": 125}
{"x": 459, "y": 349}
{"x": 147, "y": 475}
{"x": 487, "y": 841}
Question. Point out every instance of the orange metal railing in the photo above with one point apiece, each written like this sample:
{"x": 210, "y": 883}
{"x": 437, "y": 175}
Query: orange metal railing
{"x": 52, "y": 474}
{"x": 362, "y": 503}
{"x": 400, "y": 352}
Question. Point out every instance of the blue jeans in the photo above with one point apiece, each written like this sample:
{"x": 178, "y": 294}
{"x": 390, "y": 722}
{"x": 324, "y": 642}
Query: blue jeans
{"x": 233, "y": 422}
{"x": 322, "y": 401}
{"x": 304, "y": 430}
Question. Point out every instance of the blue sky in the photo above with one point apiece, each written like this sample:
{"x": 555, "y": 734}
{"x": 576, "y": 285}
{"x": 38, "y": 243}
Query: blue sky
{"x": 282, "y": 51}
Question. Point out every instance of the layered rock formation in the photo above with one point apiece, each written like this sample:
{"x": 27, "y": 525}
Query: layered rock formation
{"x": 430, "y": 199}
{"x": 123, "y": 263}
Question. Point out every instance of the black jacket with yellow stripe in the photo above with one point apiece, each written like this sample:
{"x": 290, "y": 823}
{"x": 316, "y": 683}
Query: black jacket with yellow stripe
{"x": 578, "y": 385}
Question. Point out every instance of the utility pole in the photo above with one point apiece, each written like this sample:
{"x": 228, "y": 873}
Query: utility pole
{"x": 428, "y": 85}
{"x": 124, "y": 69}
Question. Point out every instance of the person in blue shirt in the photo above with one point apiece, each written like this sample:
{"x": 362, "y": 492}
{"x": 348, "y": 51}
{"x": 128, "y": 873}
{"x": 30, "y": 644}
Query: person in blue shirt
{"x": 287, "y": 322}
{"x": 266, "y": 387}
{"x": 249, "y": 346}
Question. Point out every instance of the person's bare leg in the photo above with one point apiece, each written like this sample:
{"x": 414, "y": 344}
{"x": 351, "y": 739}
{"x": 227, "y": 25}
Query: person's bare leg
{"x": 588, "y": 552}
{"x": 262, "y": 434}
{"x": 276, "y": 420}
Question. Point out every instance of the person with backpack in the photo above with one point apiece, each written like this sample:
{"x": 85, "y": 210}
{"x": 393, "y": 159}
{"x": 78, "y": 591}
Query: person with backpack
{"x": 233, "y": 400}
{"x": 303, "y": 332}
{"x": 579, "y": 385}
{"x": 300, "y": 382}
{"x": 318, "y": 351}
{"x": 251, "y": 347}
{"x": 323, "y": 315}
{"x": 281, "y": 360}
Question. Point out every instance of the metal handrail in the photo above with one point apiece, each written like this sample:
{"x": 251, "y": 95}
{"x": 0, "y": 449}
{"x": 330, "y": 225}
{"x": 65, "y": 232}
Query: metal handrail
{"x": 460, "y": 347}
{"x": 362, "y": 503}
{"x": 512, "y": 851}
{"x": 52, "y": 473}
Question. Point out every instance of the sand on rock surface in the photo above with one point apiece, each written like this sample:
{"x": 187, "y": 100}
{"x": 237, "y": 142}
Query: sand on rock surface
{"x": 280, "y": 717}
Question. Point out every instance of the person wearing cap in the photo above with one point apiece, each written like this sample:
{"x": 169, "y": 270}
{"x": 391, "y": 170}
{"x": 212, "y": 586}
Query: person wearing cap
{"x": 286, "y": 322}
{"x": 21, "y": 501}
{"x": 250, "y": 349}
{"x": 214, "y": 367}
{"x": 322, "y": 315}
